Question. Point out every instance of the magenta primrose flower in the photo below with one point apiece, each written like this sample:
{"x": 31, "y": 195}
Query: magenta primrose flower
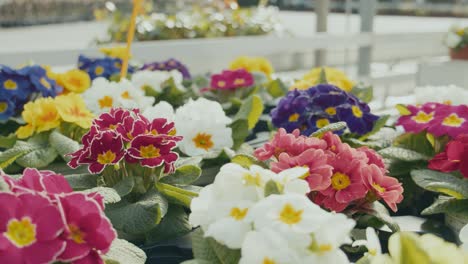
{"x": 231, "y": 79}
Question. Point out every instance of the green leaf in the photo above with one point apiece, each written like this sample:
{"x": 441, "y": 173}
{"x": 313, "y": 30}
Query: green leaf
{"x": 379, "y": 211}
{"x": 416, "y": 142}
{"x": 323, "y": 77}
{"x": 110, "y": 195}
{"x": 183, "y": 175}
{"x": 20, "y": 149}
{"x": 250, "y": 110}
{"x": 82, "y": 181}
{"x": 138, "y": 217}
{"x": 207, "y": 250}
{"x": 403, "y": 110}
{"x": 188, "y": 161}
{"x": 175, "y": 194}
{"x": 410, "y": 251}
{"x": 271, "y": 188}
{"x": 441, "y": 182}
{"x": 7, "y": 141}
{"x": 376, "y": 145}
{"x": 444, "y": 205}
{"x": 63, "y": 145}
{"x": 123, "y": 252}
{"x": 365, "y": 93}
{"x": 174, "y": 224}
{"x": 377, "y": 126}
{"x": 331, "y": 127}
{"x": 276, "y": 88}
{"x": 402, "y": 154}
{"x": 246, "y": 161}
{"x": 38, "y": 158}
{"x": 240, "y": 131}
{"x": 125, "y": 186}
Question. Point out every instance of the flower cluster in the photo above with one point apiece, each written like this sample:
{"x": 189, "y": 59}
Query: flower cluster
{"x": 169, "y": 65}
{"x": 339, "y": 175}
{"x": 231, "y": 80}
{"x": 74, "y": 80}
{"x": 334, "y": 77}
{"x": 155, "y": 80}
{"x": 456, "y": 37}
{"x": 311, "y": 109}
{"x": 44, "y": 221}
{"x": 104, "y": 95}
{"x": 48, "y": 113}
{"x": 126, "y": 135}
{"x": 280, "y": 228}
{"x": 454, "y": 157}
{"x": 19, "y": 86}
{"x": 202, "y": 123}
{"x": 101, "y": 67}
{"x": 435, "y": 118}
{"x": 447, "y": 94}
{"x": 252, "y": 65}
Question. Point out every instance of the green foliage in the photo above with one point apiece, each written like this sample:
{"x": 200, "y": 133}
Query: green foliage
{"x": 365, "y": 93}
{"x": 276, "y": 88}
{"x": 124, "y": 252}
{"x": 176, "y": 194}
{"x": 331, "y": 127}
{"x": 246, "y": 161}
{"x": 174, "y": 224}
{"x": 402, "y": 154}
{"x": 380, "y": 213}
{"x": 125, "y": 186}
{"x": 110, "y": 195}
{"x": 415, "y": 142}
{"x": 82, "y": 181}
{"x": 271, "y": 188}
{"x": 62, "y": 144}
{"x": 250, "y": 110}
{"x": 410, "y": 250}
{"x": 183, "y": 175}
{"x": 323, "y": 77}
{"x": 207, "y": 250}
{"x": 447, "y": 206}
{"x": 240, "y": 131}
{"x": 441, "y": 182}
{"x": 138, "y": 217}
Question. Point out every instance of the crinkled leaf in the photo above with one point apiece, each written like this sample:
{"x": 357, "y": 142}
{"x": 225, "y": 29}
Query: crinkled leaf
{"x": 276, "y": 88}
{"x": 109, "y": 194}
{"x": 174, "y": 224}
{"x": 207, "y": 250}
{"x": 62, "y": 144}
{"x": 138, "y": 217}
{"x": 176, "y": 194}
{"x": 124, "y": 252}
{"x": 250, "y": 110}
{"x": 125, "y": 186}
{"x": 447, "y": 205}
{"x": 183, "y": 175}
{"x": 379, "y": 211}
{"x": 38, "y": 158}
{"x": 331, "y": 127}
{"x": 246, "y": 161}
{"x": 271, "y": 188}
{"x": 82, "y": 181}
{"x": 20, "y": 149}
{"x": 416, "y": 142}
{"x": 377, "y": 145}
{"x": 377, "y": 126}
{"x": 7, "y": 141}
{"x": 240, "y": 131}
{"x": 441, "y": 182}
{"x": 402, "y": 154}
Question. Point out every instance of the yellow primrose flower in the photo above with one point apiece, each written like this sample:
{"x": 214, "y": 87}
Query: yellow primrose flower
{"x": 72, "y": 109}
{"x": 75, "y": 80}
{"x": 115, "y": 52}
{"x": 253, "y": 64}
{"x": 334, "y": 77}
{"x": 40, "y": 115}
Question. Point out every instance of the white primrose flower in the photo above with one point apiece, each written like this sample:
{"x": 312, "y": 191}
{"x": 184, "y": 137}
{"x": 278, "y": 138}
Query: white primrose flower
{"x": 292, "y": 180}
{"x": 155, "y": 79}
{"x": 449, "y": 94}
{"x": 372, "y": 243}
{"x": 267, "y": 246}
{"x": 203, "y": 125}
{"x": 452, "y": 40}
{"x": 104, "y": 95}
{"x": 289, "y": 214}
{"x": 162, "y": 109}
{"x": 464, "y": 237}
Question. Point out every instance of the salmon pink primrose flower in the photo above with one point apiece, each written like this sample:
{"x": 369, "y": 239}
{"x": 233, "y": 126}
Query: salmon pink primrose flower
{"x": 381, "y": 186}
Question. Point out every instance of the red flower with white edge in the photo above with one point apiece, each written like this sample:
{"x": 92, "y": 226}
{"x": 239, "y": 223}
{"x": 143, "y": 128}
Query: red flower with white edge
{"x": 153, "y": 151}
{"x": 106, "y": 149}
{"x": 112, "y": 119}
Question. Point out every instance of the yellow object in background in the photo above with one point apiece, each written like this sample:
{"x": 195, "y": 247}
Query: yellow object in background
{"x": 253, "y": 64}
{"x": 115, "y": 52}
{"x": 334, "y": 77}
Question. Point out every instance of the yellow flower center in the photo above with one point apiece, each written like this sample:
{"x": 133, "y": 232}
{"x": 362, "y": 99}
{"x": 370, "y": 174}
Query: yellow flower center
{"x": 106, "y": 101}
{"x": 340, "y": 181}
{"x": 10, "y": 85}
{"x": 379, "y": 188}
{"x": 289, "y": 215}
{"x": 238, "y": 213}
{"x": 126, "y": 95}
{"x": 3, "y": 107}
{"x": 76, "y": 111}
{"x": 203, "y": 141}
{"x": 331, "y": 110}
{"x": 239, "y": 81}
{"x": 75, "y": 81}
{"x": 221, "y": 83}
{"x": 322, "y": 122}
{"x": 325, "y": 248}
{"x": 422, "y": 117}
{"x": 372, "y": 252}
{"x": 268, "y": 260}
{"x": 99, "y": 70}
{"x": 252, "y": 180}
{"x": 447, "y": 102}
{"x": 48, "y": 116}
{"x": 118, "y": 65}
{"x": 293, "y": 117}
{"x": 46, "y": 83}
{"x": 76, "y": 234}
{"x": 149, "y": 152}
{"x": 356, "y": 111}
{"x": 106, "y": 158}
{"x": 22, "y": 232}
{"x": 453, "y": 120}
